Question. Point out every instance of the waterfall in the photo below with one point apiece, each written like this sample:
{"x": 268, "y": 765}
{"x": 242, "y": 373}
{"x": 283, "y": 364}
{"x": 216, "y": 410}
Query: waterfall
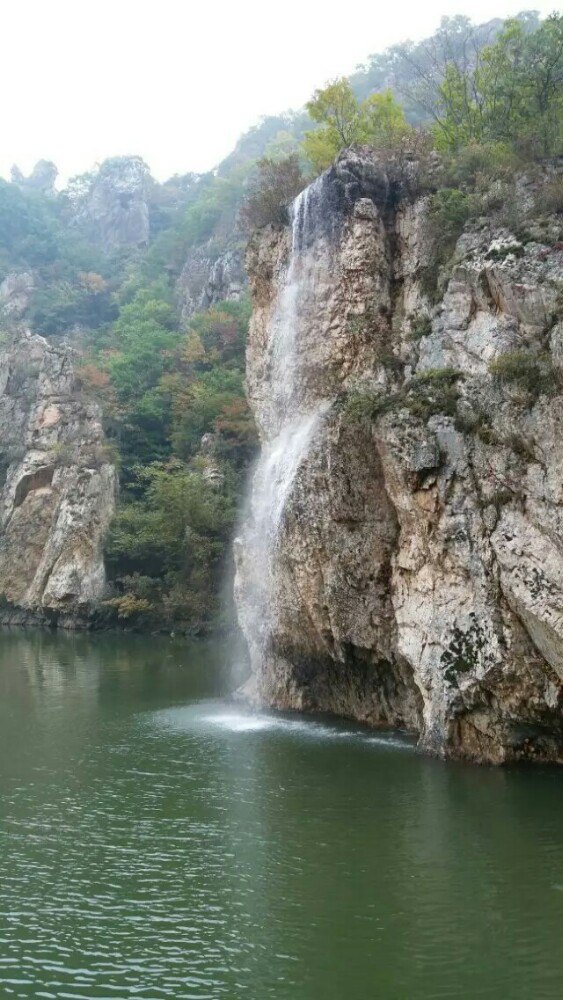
{"x": 284, "y": 349}
{"x": 294, "y": 420}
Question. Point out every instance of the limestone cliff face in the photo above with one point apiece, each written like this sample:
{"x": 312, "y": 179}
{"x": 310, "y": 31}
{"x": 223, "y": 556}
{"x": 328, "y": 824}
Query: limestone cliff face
{"x": 207, "y": 279}
{"x": 416, "y": 573}
{"x": 57, "y": 486}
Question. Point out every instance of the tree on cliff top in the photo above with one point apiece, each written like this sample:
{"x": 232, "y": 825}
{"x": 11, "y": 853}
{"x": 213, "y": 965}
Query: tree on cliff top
{"x": 510, "y": 91}
{"x": 277, "y": 182}
{"x": 378, "y": 121}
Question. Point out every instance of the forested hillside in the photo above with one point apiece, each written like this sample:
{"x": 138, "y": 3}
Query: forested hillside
{"x": 147, "y": 281}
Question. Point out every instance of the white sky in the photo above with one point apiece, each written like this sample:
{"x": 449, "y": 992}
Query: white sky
{"x": 176, "y": 81}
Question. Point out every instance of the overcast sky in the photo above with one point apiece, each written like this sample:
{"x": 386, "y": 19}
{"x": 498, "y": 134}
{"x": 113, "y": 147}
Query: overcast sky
{"x": 177, "y": 81}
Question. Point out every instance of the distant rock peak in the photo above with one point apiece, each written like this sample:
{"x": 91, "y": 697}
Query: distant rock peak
{"x": 115, "y": 203}
{"x": 42, "y": 178}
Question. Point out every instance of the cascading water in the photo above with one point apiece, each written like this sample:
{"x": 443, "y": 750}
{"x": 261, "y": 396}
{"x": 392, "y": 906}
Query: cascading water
{"x": 293, "y": 421}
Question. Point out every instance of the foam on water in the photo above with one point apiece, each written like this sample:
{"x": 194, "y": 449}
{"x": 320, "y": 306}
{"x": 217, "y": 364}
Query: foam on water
{"x": 237, "y": 723}
{"x": 220, "y": 717}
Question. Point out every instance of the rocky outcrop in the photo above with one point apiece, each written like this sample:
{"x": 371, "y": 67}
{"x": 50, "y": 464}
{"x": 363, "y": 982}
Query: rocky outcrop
{"x": 15, "y": 296}
{"x": 57, "y": 486}
{"x": 41, "y": 179}
{"x": 207, "y": 279}
{"x": 114, "y": 207}
{"x": 415, "y": 574}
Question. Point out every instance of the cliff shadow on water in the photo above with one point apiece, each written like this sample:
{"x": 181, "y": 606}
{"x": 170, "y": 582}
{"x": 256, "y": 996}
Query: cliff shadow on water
{"x": 376, "y": 570}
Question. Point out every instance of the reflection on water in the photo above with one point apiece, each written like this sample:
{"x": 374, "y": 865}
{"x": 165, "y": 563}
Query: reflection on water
{"x": 157, "y": 840}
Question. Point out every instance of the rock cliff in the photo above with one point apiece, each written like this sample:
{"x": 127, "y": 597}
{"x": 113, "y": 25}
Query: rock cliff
{"x": 114, "y": 207}
{"x": 15, "y": 295}
{"x": 402, "y": 559}
{"x": 57, "y": 486}
{"x": 41, "y": 179}
{"x": 207, "y": 279}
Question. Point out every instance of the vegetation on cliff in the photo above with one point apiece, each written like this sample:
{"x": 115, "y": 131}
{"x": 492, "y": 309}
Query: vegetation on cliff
{"x": 486, "y": 109}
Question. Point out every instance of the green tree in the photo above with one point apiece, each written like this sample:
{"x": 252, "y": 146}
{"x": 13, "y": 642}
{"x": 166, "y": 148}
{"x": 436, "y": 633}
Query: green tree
{"x": 275, "y": 185}
{"x": 383, "y": 121}
{"x": 543, "y": 80}
{"x": 171, "y": 543}
{"x": 337, "y": 109}
{"x": 378, "y": 121}
{"x": 175, "y": 403}
{"x": 28, "y": 233}
{"x": 144, "y": 339}
{"x": 513, "y": 93}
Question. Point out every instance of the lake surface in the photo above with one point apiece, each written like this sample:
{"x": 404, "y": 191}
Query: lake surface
{"x": 157, "y": 841}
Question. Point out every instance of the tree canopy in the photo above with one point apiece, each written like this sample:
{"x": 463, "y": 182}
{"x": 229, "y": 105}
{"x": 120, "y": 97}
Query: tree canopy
{"x": 509, "y": 91}
{"x": 343, "y": 120}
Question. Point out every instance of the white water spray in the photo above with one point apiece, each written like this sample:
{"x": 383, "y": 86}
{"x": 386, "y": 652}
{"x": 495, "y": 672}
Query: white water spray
{"x": 294, "y": 420}
{"x": 283, "y": 345}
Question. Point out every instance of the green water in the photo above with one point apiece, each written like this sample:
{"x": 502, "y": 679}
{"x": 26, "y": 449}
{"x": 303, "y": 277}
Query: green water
{"x": 156, "y": 841}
